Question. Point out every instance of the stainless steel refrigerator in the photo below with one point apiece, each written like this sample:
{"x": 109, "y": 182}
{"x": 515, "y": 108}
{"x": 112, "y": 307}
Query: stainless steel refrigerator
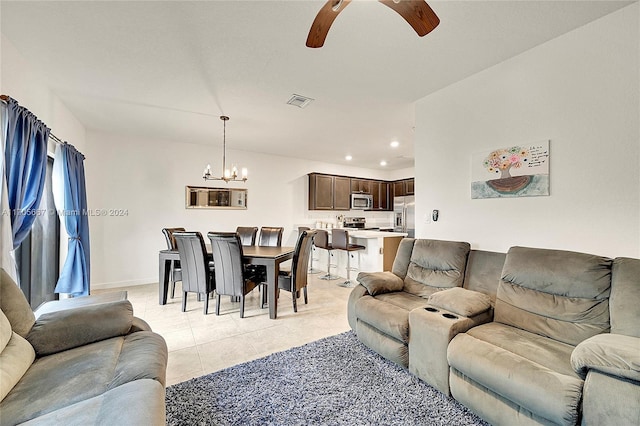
{"x": 404, "y": 215}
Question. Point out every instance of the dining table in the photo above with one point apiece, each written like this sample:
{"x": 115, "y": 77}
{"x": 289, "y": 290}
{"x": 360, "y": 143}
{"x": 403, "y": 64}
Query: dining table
{"x": 270, "y": 257}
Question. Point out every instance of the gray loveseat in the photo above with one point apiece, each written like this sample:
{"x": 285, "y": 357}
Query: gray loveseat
{"x": 89, "y": 365}
{"x": 535, "y": 336}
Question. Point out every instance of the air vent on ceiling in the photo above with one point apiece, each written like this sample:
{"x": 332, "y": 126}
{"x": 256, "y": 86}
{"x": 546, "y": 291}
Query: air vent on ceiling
{"x": 299, "y": 101}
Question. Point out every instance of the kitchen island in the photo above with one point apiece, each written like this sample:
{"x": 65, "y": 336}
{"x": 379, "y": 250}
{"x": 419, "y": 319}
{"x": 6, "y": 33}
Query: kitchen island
{"x": 381, "y": 248}
{"x": 378, "y": 255}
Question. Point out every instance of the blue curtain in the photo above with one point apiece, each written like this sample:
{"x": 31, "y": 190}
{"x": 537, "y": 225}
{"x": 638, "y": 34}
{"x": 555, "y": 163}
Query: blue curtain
{"x": 69, "y": 166}
{"x": 25, "y": 157}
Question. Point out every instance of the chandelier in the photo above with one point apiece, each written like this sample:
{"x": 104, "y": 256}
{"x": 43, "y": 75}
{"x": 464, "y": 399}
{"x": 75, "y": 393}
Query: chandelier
{"x": 227, "y": 175}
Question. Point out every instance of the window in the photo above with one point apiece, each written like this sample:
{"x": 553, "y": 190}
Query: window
{"x": 38, "y": 257}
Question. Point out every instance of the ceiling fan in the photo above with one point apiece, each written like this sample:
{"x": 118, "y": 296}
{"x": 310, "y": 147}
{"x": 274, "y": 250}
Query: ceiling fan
{"x": 416, "y": 12}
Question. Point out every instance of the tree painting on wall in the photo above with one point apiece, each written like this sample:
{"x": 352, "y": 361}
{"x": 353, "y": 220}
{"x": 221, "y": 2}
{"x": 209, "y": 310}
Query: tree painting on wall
{"x": 515, "y": 171}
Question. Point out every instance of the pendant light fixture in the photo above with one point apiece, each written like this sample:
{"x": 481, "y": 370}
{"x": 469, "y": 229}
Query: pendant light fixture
{"x": 227, "y": 175}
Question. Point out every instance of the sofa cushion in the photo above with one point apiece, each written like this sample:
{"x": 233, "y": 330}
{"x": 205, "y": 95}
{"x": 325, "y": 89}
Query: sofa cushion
{"x": 380, "y": 282}
{"x": 532, "y": 371}
{"x": 389, "y": 312}
{"x": 5, "y": 331}
{"x": 61, "y": 330}
{"x": 435, "y": 265}
{"x": 16, "y": 356}
{"x": 625, "y": 296}
{"x": 403, "y": 257}
{"x": 559, "y": 294}
{"x": 15, "y": 305}
{"x": 115, "y": 407}
{"x": 383, "y": 344}
{"x": 461, "y": 302}
{"x": 85, "y": 372}
{"x": 483, "y": 272}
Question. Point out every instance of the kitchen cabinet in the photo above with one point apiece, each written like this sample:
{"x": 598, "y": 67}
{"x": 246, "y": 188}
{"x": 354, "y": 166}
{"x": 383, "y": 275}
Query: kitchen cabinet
{"x": 385, "y": 196}
{"x": 403, "y": 187}
{"x": 327, "y": 192}
{"x": 331, "y": 192}
{"x": 408, "y": 187}
{"x": 361, "y": 185}
{"x": 380, "y": 193}
{"x": 341, "y": 193}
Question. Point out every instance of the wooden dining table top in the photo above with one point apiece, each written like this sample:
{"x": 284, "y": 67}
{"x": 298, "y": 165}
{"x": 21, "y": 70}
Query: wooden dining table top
{"x": 260, "y": 251}
{"x": 254, "y": 251}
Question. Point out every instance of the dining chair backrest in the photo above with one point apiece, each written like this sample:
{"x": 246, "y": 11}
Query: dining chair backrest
{"x": 226, "y": 248}
{"x": 321, "y": 240}
{"x": 247, "y": 235}
{"x": 340, "y": 239}
{"x": 300, "y": 263}
{"x": 270, "y": 236}
{"x": 196, "y": 276}
{"x": 168, "y": 235}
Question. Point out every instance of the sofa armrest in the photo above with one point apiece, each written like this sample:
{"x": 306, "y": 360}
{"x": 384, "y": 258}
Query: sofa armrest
{"x": 460, "y": 301}
{"x": 139, "y": 324}
{"x": 380, "y": 282}
{"x": 613, "y": 354}
{"x": 58, "y": 331}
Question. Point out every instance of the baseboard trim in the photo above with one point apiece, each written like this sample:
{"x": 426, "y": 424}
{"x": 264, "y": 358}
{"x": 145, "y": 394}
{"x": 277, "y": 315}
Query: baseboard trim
{"x": 118, "y": 284}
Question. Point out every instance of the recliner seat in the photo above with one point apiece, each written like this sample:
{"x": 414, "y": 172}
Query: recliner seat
{"x": 516, "y": 369}
{"x": 380, "y": 316}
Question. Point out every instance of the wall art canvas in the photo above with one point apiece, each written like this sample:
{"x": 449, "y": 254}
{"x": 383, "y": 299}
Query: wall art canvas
{"x": 513, "y": 171}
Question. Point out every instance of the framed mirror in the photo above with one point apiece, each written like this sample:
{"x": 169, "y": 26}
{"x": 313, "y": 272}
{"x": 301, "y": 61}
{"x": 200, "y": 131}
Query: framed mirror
{"x": 200, "y": 197}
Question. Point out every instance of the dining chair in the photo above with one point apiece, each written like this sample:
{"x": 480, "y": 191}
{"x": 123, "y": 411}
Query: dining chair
{"x": 197, "y": 272}
{"x": 312, "y": 270}
{"x": 340, "y": 241}
{"x": 232, "y": 277}
{"x": 247, "y": 235}
{"x": 270, "y": 236}
{"x": 296, "y": 279}
{"x": 175, "y": 273}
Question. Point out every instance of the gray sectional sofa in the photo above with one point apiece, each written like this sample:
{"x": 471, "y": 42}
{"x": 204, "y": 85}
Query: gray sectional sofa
{"x": 94, "y": 364}
{"x": 530, "y": 337}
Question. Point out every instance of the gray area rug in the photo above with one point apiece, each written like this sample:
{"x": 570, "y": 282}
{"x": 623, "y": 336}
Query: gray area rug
{"x": 333, "y": 381}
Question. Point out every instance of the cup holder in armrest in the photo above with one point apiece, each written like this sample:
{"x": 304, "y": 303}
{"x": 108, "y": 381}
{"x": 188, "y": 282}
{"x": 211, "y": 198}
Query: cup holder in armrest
{"x": 431, "y": 309}
{"x": 450, "y": 316}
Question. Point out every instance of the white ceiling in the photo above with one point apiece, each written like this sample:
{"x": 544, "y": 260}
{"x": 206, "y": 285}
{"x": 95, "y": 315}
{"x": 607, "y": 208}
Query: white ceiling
{"x": 168, "y": 69}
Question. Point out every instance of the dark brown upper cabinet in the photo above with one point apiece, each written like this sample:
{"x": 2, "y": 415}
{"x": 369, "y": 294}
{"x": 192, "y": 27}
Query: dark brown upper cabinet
{"x": 330, "y": 192}
{"x": 380, "y": 193}
{"x": 361, "y": 185}
{"x": 327, "y": 192}
{"x": 403, "y": 187}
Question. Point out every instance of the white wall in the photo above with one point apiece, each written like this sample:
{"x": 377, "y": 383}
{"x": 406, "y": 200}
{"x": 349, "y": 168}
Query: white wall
{"x": 580, "y": 91}
{"x": 25, "y": 84}
{"x": 148, "y": 178}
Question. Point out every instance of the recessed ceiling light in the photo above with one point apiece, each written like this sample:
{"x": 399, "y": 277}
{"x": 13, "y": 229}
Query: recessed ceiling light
{"x": 348, "y": 157}
{"x": 394, "y": 144}
{"x": 383, "y": 163}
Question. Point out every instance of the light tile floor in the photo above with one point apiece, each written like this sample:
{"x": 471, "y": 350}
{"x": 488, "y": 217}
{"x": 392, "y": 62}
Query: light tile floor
{"x": 200, "y": 344}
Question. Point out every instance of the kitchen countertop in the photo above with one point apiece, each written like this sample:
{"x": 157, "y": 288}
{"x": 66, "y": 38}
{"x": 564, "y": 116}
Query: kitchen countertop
{"x": 375, "y": 234}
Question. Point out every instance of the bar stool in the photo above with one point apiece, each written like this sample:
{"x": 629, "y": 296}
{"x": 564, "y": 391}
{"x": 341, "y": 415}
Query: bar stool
{"x": 311, "y": 270}
{"x": 340, "y": 241}
{"x": 321, "y": 240}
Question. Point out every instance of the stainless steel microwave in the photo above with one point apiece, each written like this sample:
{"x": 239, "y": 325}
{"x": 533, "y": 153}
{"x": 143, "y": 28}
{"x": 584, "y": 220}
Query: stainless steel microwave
{"x": 361, "y": 201}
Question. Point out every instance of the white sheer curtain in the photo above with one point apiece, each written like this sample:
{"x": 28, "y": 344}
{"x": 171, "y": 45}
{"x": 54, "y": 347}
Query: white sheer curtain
{"x": 7, "y": 259}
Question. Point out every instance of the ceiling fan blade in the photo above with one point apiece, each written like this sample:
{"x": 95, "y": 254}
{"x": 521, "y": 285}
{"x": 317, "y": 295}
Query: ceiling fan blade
{"x": 417, "y": 13}
{"x": 323, "y": 21}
